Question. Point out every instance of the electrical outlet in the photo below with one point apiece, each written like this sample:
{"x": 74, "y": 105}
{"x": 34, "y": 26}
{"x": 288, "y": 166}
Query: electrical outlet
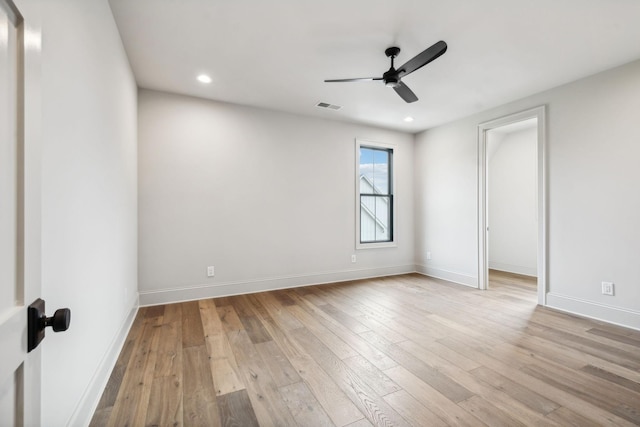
{"x": 210, "y": 271}
{"x": 428, "y": 255}
{"x": 353, "y": 258}
{"x": 607, "y": 288}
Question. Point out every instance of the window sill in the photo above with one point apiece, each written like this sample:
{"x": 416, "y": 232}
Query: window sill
{"x": 376, "y": 245}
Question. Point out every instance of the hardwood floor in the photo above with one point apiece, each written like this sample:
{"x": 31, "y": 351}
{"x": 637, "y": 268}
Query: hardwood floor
{"x": 402, "y": 350}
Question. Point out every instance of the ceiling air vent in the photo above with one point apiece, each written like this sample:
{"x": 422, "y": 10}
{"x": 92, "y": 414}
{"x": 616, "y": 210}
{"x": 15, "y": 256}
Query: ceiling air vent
{"x": 328, "y": 106}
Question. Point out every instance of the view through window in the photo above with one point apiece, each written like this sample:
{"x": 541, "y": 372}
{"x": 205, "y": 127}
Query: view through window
{"x": 376, "y": 198}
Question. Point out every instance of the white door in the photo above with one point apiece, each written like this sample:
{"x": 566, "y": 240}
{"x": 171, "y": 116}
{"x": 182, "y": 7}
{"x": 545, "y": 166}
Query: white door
{"x": 19, "y": 214}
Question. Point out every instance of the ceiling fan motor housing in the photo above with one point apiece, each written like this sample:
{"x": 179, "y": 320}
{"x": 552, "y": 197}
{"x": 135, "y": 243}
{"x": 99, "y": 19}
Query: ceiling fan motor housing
{"x": 390, "y": 78}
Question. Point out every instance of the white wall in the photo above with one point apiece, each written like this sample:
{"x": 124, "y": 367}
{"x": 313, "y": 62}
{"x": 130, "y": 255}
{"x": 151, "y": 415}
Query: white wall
{"x": 267, "y": 198}
{"x": 593, "y": 194}
{"x": 512, "y": 194}
{"x": 89, "y": 236}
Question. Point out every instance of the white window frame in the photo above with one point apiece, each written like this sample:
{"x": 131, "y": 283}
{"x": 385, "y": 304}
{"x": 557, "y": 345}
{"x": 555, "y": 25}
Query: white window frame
{"x": 372, "y": 144}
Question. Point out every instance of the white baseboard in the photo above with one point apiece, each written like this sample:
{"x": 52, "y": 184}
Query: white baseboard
{"x": 166, "y": 296}
{"x": 89, "y": 402}
{"x": 594, "y": 310}
{"x": 459, "y": 278}
{"x": 517, "y": 269}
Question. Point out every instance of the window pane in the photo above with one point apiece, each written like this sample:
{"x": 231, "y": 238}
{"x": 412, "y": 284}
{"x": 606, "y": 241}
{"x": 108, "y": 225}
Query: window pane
{"x": 381, "y": 171}
{"x": 366, "y": 170}
{"x": 367, "y": 219}
{"x": 375, "y": 218}
{"x": 383, "y": 211}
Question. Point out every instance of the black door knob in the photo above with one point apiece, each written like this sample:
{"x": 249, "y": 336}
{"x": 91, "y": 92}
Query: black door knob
{"x": 60, "y": 320}
{"x": 38, "y": 321}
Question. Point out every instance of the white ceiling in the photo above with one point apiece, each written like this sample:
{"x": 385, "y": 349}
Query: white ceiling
{"x": 275, "y": 54}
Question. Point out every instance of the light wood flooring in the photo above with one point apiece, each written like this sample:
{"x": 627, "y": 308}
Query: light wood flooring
{"x": 402, "y": 350}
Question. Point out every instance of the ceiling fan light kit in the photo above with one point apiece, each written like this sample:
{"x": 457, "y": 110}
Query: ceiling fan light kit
{"x": 393, "y": 77}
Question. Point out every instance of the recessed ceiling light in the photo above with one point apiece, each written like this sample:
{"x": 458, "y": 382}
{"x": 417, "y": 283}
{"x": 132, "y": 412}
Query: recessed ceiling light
{"x": 203, "y": 78}
{"x": 408, "y": 119}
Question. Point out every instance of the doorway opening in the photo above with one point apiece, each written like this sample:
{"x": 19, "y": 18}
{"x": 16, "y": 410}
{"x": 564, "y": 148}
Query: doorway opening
{"x": 511, "y": 198}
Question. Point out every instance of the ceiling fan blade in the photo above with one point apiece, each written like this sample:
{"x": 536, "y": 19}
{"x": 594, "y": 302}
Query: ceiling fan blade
{"x": 422, "y": 59}
{"x": 405, "y": 93}
{"x": 363, "y": 79}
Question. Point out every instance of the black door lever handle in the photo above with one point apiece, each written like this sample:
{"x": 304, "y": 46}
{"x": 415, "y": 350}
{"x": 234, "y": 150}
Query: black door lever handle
{"x": 38, "y": 321}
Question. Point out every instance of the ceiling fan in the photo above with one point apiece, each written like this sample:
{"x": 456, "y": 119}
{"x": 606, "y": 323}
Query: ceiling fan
{"x": 392, "y": 78}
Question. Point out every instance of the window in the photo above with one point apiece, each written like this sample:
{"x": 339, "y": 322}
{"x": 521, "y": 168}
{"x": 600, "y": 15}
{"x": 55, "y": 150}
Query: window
{"x": 375, "y": 203}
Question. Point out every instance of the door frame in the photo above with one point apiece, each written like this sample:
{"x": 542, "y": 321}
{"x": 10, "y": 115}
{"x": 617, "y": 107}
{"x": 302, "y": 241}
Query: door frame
{"x": 483, "y": 241}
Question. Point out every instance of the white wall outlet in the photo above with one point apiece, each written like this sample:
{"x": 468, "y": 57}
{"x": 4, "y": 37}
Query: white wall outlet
{"x": 210, "y": 271}
{"x": 607, "y": 288}
{"x": 353, "y": 258}
{"x": 428, "y": 255}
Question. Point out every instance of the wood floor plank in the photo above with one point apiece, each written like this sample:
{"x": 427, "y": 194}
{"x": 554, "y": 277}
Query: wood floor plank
{"x": 283, "y": 298}
{"x": 484, "y": 410}
{"x": 457, "y": 359}
{"x": 355, "y": 341}
{"x": 169, "y": 357}
{"x": 280, "y": 368}
{"x": 192, "y": 333}
{"x": 570, "y": 357}
{"x": 432, "y": 399}
{"x": 344, "y": 318}
{"x": 339, "y": 408}
{"x": 611, "y": 377}
{"x": 445, "y": 385}
{"x": 381, "y": 328}
{"x": 268, "y": 306}
{"x": 262, "y": 390}
{"x": 334, "y": 401}
{"x": 372, "y": 376}
{"x": 412, "y": 410}
{"x": 559, "y": 395}
{"x": 371, "y": 405}
{"x": 211, "y": 323}
{"x": 566, "y": 417}
{"x": 517, "y": 391}
{"x": 324, "y": 334}
{"x": 154, "y": 311}
{"x": 229, "y": 319}
{"x": 200, "y": 405}
{"x": 614, "y": 392}
{"x": 303, "y": 405}
{"x": 620, "y": 404}
{"x": 361, "y": 423}
{"x": 165, "y": 402}
{"x": 257, "y": 333}
{"x": 236, "y": 410}
{"x": 628, "y": 359}
{"x": 131, "y": 404}
{"x": 247, "y": 316}
{"x": 172, "y": 313}
{"x": 224, "y": 369}
{"x": 616, "y": 336}
{"x": 518, "y": 404}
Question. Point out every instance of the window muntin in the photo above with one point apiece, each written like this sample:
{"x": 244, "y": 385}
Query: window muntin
{"x": 375, "y": 188}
